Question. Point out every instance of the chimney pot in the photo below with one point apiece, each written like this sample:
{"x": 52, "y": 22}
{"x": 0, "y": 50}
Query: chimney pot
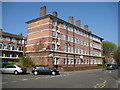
{"x": 86, "y": 27}
{"x": 54, "y": 14}
{"x": 78, "y": 23}
{"x": 43, "y": 11}
{"x": 70, "y": 19}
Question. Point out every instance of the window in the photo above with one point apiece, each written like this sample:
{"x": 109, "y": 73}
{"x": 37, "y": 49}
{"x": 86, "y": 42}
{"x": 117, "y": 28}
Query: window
{"x": 75, "y": 40}
{"x": 68, "y": 27}
{"x": 20, "y": 41}
{"x": 91, "y": 37}
{"x": 71, "y": 49}
{"x": 65, "y": 26}
{"x": 7, "y": 38}
{"x": 85, "y": 43}
{"x": 79, "y": 50}
{"x": 68, "y": 61}
{"x": 63, "y": 37}
{"x": 91, "y": 53}
{"x": 74, "y": 30}
{"x": 81, "y": 42}
{"x": 13, "y": 39}
{"x": 0, "y": 37}
{"x": 71, "y": 28}
{"x": 54, "y": 46}
{"x": 0, "y": 45}
{"x": 79, "y": 61}
{"x": 55, "y": 61}
{"x": 69, "y": 38}
{"x": 54, "y": 23}
{"x": 54, "y": 34}
{"x": 74, "y": 50}
{"x": 65, "y": 60}
{"x": 72, "y": 61}
{"x": 8, "y": 46}
{"x": 81, "y": 33}
{"x": 91, "y": 45}
{"x": 68, "y": 49}
{"x": 65, "y": 48}
{"x": 46, "y": 68}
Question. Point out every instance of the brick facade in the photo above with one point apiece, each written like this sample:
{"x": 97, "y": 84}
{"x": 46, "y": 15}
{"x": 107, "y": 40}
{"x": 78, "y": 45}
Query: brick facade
{"x": 53, "y": 41}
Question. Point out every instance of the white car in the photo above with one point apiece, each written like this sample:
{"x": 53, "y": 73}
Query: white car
{"x": 16, "y": 69}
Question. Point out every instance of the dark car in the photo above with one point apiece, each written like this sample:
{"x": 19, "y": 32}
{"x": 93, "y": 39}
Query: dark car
{"x": 112, "y": 66}
{"x": 44, "y": 70}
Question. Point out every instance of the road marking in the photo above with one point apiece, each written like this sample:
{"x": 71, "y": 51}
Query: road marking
{"x": 24, "y": 79}
{"x": 100, "y": 85}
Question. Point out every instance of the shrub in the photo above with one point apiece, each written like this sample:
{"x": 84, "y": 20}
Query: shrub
{"x": 25, "y": 61}
{"x": 101, "y": 64}
{"x": 3, "y": 64}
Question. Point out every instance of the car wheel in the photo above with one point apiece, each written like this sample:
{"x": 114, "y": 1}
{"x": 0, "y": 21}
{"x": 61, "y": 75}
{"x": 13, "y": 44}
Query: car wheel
{"x": 53, "y": 73}
{"x": 16, "y": 72}
{"x": 35, "y": 73}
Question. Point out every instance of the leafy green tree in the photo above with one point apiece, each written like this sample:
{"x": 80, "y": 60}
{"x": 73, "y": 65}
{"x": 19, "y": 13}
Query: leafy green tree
{"x": 109, "y": 49}
{"x": 25, "y": 61}
{"x": 117, "y": 55}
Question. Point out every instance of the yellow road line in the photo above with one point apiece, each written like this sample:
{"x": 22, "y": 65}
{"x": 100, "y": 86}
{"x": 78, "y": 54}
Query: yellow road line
{"x": 100, "y": 85}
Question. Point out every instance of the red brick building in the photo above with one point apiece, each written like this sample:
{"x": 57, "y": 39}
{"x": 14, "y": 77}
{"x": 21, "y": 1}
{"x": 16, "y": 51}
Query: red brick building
{"x": 12, "y": 46}
{"x": 53, "y": 41}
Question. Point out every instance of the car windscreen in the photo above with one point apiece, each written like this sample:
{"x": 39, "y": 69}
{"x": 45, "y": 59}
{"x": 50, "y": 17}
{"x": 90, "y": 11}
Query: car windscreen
{"x": 18, "y": 66}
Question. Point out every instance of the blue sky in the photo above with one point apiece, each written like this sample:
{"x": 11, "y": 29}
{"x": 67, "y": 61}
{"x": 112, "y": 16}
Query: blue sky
{"x": 102, "y": 17}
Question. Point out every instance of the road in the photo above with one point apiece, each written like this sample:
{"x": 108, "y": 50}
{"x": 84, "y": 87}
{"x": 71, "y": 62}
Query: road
{"x": 73, "y": 79}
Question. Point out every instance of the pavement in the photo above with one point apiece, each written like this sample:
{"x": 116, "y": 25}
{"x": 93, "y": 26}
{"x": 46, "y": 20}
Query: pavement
{"x": 96, "y": 78}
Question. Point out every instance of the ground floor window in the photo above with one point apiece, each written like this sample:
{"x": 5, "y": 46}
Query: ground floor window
{"x": 65, "y": 60}
{"x": 55, "y": 61}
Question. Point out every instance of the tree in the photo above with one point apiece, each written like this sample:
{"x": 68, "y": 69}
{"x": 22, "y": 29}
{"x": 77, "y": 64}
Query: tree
{"x": 109, "y": 49}
{"x": 117, "y": 55}
{"x": 25, "y": 61}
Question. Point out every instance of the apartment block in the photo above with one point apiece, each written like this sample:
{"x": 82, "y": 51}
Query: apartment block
{"x": 12, "y": 46}
{"x": 53, "y": 41}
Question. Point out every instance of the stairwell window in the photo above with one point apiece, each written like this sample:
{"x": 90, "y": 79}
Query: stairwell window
{"x": 65, "y": 26}
{"x": 54, "y": 22}
{"x": 54, "y": 34}
{"x": 54, "y": 46}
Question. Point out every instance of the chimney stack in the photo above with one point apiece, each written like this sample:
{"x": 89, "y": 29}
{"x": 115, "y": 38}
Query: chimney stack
{"x": 78, "y": 23}
{"x": 20, "y": 34}
{"x": 54, "y": 14}
{"x": 43, "y": 11}
{"x": 70, "y": 19}
{"x": 86, "y": 27}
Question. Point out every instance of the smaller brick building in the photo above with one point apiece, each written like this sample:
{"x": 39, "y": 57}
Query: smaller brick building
{"x": 12, "y": 46}
{"x": 53, "y": 41}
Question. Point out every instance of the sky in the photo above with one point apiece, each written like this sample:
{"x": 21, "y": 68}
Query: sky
{"x": 101, "y": 17}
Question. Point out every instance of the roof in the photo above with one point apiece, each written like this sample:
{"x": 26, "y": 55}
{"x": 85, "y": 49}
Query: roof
{"x": 13, "y": 35}
{"x": 53, "y": 17}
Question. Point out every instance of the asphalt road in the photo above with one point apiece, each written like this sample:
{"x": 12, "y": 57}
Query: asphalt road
{"x": 74, "y": 79}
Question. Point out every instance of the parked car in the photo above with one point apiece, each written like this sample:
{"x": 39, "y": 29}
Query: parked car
{"x": 112, "y": 66}
{"x": 16, "y": 69}
{"x": 44, "y": 70}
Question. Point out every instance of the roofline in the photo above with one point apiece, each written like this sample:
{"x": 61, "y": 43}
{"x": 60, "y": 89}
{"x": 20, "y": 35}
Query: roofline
{"x": 17, "y": 36}
{"x": 51, "y": 16}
